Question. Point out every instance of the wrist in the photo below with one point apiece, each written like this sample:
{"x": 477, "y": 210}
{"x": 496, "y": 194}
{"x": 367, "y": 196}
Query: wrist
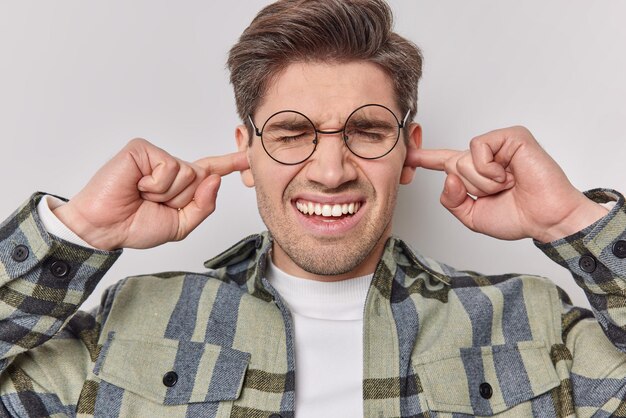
{"x": 82, "y": 228}
{"x": 53, "y": 224}
{"x": 584, "y": 214}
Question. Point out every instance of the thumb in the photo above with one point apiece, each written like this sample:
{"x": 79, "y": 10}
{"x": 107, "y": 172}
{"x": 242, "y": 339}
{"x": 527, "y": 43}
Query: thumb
{"x": 202, "y": 205}
{"x": 455, "y": 198}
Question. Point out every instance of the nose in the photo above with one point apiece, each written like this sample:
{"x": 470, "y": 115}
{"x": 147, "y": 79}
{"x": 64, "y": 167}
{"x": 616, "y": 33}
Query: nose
{"x": 332, "y": 164}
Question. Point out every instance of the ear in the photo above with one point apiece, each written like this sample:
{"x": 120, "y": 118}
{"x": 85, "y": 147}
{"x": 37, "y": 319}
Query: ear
{"x": 242, "y": 138}
{"x": 414, "y": 143}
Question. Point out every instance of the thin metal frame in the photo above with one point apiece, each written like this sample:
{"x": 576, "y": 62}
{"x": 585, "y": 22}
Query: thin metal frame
{"x": 401, "y": 126}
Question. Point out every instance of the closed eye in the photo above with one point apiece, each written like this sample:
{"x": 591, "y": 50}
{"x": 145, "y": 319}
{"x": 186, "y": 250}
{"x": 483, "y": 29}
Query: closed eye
{"x": 366, "y": 135}
{"x": 291, "y": 138}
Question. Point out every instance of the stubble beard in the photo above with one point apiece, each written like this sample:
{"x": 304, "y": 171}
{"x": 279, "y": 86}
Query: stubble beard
{"x": 328, "y": 257}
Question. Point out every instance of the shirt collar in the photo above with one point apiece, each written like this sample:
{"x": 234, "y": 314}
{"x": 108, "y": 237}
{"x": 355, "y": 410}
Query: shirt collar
{"x": 245, "y": 263}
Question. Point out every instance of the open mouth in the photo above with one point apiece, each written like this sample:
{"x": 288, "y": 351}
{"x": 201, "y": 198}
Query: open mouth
{"x": 325, "y": 210}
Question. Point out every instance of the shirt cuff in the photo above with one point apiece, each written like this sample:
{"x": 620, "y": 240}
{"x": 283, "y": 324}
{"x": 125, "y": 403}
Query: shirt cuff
{"x": 53, "y": 225}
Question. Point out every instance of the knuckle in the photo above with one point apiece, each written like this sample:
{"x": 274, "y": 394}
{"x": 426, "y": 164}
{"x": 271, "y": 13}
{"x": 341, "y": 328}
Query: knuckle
{"x": 187, "y": 173}
{"x": 464, "y": 163}
{"x": 451, "y": 165}
{"x": 477, "y": 141}
{"x": 199, "y": 171}
{"x": 138, "y": 144}
{"x": 137, "y": 140}
{"x": 171, "y": 164}
{"x": 202, "y": 171}
{"x": 522, "y": 133}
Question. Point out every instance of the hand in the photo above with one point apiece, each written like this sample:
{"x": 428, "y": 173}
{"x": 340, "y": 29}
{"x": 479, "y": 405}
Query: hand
{"x": 508, "y": 187}
{"x": 144, "y": 197}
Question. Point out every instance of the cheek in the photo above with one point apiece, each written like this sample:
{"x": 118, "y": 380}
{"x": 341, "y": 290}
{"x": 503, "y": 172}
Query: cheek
{"x": 384, "y": 176}
{"x": 270, "y": 178}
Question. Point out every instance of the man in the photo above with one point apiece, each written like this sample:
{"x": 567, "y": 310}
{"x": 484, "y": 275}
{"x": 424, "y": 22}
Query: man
{"x": 326, "y": 93}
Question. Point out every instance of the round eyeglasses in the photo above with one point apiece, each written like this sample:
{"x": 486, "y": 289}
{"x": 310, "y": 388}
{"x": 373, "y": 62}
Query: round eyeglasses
{"x": 371, "y": 131}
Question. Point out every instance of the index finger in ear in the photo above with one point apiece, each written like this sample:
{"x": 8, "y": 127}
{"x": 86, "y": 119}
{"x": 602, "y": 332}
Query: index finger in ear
{"x": 431, "y": 159}
{"x": 225, "y": 164}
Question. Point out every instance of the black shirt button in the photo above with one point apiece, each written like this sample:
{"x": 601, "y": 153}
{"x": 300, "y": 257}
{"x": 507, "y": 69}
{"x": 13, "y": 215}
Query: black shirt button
{"x": 20, "y": 253}
{"x": 276, "y": 416}
{"x": 619, "y": 249}
{"x": 587, "y": 263}
{"x": 485, "y": 390}
{"x": 59, "y": 269}
{"x": 170, "y": 379}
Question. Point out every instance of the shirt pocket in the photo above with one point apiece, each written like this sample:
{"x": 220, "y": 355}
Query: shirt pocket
{"x": 172, "y": 372}
{"x": 485, "y": 380}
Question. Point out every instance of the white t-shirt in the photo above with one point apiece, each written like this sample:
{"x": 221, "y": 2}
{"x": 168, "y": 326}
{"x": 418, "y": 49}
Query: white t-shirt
{"x": 328, "y": 325}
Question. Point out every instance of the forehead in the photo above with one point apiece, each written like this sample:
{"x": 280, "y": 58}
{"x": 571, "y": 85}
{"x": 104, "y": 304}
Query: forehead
{"x": 327, "y": 91}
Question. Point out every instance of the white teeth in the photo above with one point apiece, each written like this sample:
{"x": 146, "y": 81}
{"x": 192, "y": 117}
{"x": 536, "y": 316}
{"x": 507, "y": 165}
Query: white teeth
{"x": 328, "y": 210}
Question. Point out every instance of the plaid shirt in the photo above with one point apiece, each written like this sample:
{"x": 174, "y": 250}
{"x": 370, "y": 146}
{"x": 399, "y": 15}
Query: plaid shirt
{"x": 437, "y": 342}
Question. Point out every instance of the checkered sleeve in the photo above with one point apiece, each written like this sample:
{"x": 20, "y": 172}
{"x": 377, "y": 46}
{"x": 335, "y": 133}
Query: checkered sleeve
{"x": 43, "y": 281}
{"x": 596, "y": 257}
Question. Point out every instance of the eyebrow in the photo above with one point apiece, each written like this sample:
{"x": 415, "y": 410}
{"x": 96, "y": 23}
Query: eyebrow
{"x": 363, "y": 123}
{"x": 290, "y": 125}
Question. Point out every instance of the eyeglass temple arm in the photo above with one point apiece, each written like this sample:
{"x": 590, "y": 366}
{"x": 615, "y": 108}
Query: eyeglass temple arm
{"x": 256, "y": 130}
{"x": 402, "y": 125}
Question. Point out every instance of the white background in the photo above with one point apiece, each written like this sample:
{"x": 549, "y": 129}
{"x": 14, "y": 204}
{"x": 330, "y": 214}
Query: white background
{"x": 79, "y": 78}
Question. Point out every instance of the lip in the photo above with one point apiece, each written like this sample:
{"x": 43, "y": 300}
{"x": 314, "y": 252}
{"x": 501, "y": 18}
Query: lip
{"x": 323, "y": 226}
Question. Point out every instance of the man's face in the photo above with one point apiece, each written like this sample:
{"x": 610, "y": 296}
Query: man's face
{"x": 315, "y": 246}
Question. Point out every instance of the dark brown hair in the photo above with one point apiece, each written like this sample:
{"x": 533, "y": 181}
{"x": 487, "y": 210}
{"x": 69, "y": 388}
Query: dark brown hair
{"x": 289, "y": 31}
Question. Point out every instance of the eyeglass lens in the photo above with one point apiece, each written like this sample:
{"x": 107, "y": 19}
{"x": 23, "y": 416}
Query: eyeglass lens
{"x": 369, "y": 132}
